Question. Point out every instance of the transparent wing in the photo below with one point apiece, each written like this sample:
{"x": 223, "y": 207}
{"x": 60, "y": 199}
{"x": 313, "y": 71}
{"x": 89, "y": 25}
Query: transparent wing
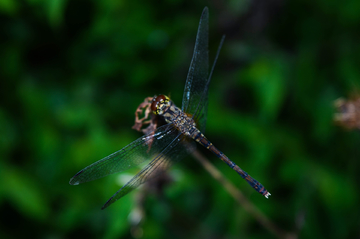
{"x": 175, "y": 151}
{"x": 198, "y": 73}
{"x": 131, "y": 155}
{"x": 200, "y": 113}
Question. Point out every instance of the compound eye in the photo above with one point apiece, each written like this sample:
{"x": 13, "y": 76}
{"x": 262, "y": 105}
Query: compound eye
{"x": 154, "y": 105}
{"x": 156, "y": 101}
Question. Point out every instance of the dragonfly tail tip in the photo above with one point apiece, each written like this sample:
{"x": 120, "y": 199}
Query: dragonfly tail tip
{"x": 267, "y": 195}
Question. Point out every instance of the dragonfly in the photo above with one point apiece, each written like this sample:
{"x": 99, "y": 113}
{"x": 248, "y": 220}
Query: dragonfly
{"x": 175, "y": 139}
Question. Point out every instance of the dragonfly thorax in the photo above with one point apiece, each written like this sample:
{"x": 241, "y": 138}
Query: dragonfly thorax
{"x": 160, "y": 104}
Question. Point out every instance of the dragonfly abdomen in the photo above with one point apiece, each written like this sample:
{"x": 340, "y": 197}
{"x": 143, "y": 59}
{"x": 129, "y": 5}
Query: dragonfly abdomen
{"x": 201, "y": 139}
{"x": 253, "y": 182}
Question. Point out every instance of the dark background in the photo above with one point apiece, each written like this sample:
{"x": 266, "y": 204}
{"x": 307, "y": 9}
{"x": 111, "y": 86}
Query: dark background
{"x": 73, "y": 72}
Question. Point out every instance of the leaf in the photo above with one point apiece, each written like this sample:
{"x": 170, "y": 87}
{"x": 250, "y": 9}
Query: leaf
{"x": 24, "y": 193}
{"x": 55, "y": 11}
{"x": 269, "y": 75}
{"x": 9, "y": 6}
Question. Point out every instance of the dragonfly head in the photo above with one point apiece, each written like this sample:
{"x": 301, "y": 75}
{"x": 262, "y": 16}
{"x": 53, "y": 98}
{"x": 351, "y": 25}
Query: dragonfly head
{"x": 159, "y": 104}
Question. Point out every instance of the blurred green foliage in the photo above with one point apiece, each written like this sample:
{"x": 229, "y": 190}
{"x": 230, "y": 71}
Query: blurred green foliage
{"x": 73, "y": 72}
